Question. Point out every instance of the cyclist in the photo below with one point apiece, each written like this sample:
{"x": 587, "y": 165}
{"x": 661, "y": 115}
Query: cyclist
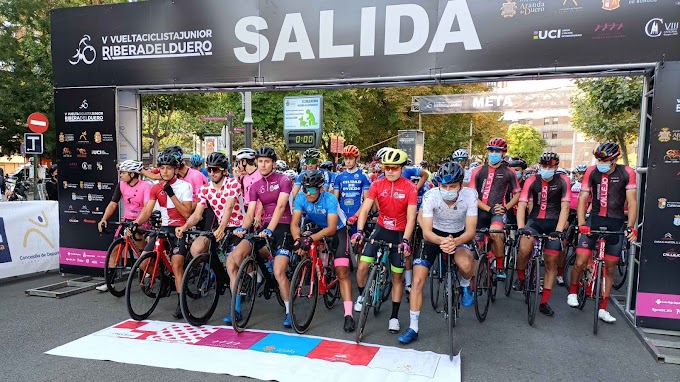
{"x": 272, "y": 191}
{"x": 223, "y": 195}
{"x": 518, "y": 165}
{"x": 461, "y": 157}
{"x": 493, "y": 182}
{"x": 448, "y": 219}
{"x": 281, "y": 166}
{"x": 245, "y": 162}
{"x": 173, "y": 197}
{"x": 321, "y": 208}
{"x": 397, "y": 198}
{"x": 549, "y": 194}
{"x": 312, "y": 157}
{"x": 184, "y": 172}
{"x": 611, "y": 186}
{"x": 196, "y": 161}
{"x": 135, "y": 194}
{"x": 329, "y": 168}
{"x": 51, "y": 183}
{"x": 351, "y": 185}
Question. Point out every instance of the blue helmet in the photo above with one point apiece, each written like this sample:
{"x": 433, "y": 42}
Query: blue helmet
{"x": 196, "y": 160}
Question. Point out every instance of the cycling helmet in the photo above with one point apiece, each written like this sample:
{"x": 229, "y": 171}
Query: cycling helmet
{"x": 52, "y": 169}
{"x": 498, "y": 143}
{"x": 474, "y": 165}
{"x": 131, "y": 166}
{"x": 382, "y": 151}
{"x": 350, "y": 151}
{"x": 281, "y": 165}
{"x": 549, "y": 159}
{"x": 291, "y": 174}
{"x": 245, "y": 153}
{"x": 423, "y": 163}
{"x": 561, "y": 171}
{"x": 394, "y": 156}
{"x": 409, "y": 162}
{"x": 518, "y": 162}
{"x": 168, "y": 158}
{"x": 327, "y": 165}
{"x": 196, "y": 160}
{"x": 217, "y": 159}
{"x": 607, "y": 151}
{"x": 312, "y": 154}
{"x": 339, "y": 167}
{"x": 450, "y": 172}
{"x": 177, "y": 150}
{"x": 460, "y": 153}
{"x": 580, "y": 168}
{"x": 266, "y": 152}
{"x": 312, "y": 178}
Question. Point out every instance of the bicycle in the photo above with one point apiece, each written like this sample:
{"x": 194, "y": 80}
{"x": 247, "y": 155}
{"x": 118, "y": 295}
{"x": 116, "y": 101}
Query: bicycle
{"x": 246, "y": 285}
{"x": 532, "y": 276}
{"x": 572, "y": 243}
{"x": 205, "y": 280}
{"x": 124, "y": 251}
{"x": 511, "y": 244}
{"x": 314, "y": 276}
{"x": 486, "y": 282}
{"x": 436, "y": 277}
{"x": 593, "y": 280}
{"x": 451, "y": 298}
{"x": 378, "y": 284}
{"x": 621, "y": 270}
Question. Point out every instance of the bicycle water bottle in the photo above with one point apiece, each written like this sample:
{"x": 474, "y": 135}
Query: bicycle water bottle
{"x": 270, "y": 264}
{"x": 324, "y": 257}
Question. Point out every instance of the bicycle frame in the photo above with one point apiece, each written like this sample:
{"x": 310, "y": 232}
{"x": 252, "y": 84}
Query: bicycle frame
{"x": 161, "y": 246}
{"x": 129, "y": 243}
{"x": 381, "y": 259}
{"x": 319, "y": 269}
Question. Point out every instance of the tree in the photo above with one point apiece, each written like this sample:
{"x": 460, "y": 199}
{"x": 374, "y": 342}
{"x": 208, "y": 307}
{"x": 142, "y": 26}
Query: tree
{"x": 525, "y": 142}
{"x": 608, "y": 109}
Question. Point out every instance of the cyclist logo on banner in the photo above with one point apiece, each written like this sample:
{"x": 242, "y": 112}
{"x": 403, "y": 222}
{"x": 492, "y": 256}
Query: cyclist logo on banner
{"x": 85, "y": 52}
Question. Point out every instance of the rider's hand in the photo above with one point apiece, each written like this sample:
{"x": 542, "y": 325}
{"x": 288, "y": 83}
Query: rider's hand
{"x": 179, "y": 231}
{"x": 584, "y": 229}
{"x": 405, "y": 248}
{"x": 357, "y": 237}
{"x": 219, "y": 233}
{"x": 631, "y": 234}
{"x": 352, "y": 219}
{"x": 306, "y": 243}
{"x": 524, "y": 232}
{"x": 499, "y": 209}
{"x": 257, "y": 222}
{"x": 266, "y": 233}
{"x": 102, "y": 224}
{"x": 168, "y": 190}
{"x": 240, "y": 232}
{"x": 556, "y": 235}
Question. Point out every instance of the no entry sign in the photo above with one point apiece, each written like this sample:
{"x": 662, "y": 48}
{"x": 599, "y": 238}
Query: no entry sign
{"x": 38, "y": 123}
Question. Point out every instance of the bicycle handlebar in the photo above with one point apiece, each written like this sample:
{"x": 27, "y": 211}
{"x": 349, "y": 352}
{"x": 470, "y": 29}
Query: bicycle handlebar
{"x": 254, "y": 236}
{"x": 490, "y": 231}
{"x": 381, "y": 243}
{"x": 607, "y": 232}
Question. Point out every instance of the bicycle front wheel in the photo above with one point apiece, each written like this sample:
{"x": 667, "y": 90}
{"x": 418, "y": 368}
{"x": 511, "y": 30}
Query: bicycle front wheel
{"x": 620, "y": 273}
{"x": 451, "y": 311}
{"x": 332, "y": 291}
{"x": 245, "y": 291}
{"x": 304, "y": 292}
{"x": 599, "y": 290}
{"x": 435, "y": 286}
{"x": 568, "y": 267}
{"x": 534, "y": 287}
{"x": 385, "y": 281}
{"x": 368, "y": 296}
{"x": 143, "y": 291}
{"x": 119, "y": 261}
{"x": 510, "y": 257}
{"x": 482, "y": 288}
{"x": 199, "y": 296}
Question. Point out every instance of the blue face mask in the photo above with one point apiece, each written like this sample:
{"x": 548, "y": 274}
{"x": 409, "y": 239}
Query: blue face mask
{"x": 547, "y": 174}
{"x": 519, "y": 174}
{"x": 495, "y": 158}
{"x": 449, "y": 195}
{"x": 603, "y": 168}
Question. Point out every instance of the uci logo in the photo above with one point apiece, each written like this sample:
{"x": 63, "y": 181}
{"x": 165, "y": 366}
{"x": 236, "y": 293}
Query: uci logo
{"x": 85, "y": 52}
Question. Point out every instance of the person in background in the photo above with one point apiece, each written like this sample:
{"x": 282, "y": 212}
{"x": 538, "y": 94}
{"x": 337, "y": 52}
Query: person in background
{"x": 196, "y": 162}
{"x": 51, "y": 183}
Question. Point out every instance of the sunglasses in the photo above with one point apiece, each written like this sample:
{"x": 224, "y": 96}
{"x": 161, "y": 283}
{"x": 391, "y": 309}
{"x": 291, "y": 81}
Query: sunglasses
{"x": 311, "y": 161}
{"x": 391, "y": 168}
{"x": 494, "y": 149}
{"x": 457, "y": 160}
{"x": 310, "y": 190}
{"x": 215, "y": 169}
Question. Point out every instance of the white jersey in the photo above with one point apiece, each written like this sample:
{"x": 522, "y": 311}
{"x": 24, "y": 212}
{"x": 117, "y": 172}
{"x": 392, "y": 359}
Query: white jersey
{"x": 466, "y": 178}
{"x": 449, "y": 219}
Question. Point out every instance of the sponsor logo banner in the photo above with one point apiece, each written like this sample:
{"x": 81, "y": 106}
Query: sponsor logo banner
{"x": 490, "y": 102}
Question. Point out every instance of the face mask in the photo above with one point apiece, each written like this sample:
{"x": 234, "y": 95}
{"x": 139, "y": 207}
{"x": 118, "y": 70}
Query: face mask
{"x": 547, "y": 174}
{"x": 519, "y": 174}
{"x": 448, "y": 195}
{"x": 603, "y": 168}
{"x": 494, "y": 158}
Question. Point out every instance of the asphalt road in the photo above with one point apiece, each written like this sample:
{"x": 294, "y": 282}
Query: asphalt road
{"x": 503, "y": 348}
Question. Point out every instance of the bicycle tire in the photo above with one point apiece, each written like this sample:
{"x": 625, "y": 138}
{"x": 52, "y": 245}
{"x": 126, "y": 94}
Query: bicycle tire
{"x": 534, "y": 288}
{"x": 510, "y": 258}
{"x": 304, "y": 289}
{"x": 494, "y": 280}
{"x": 451, "y": 314}
{"x": 598, "y": 295}
{"x": 150, "y": 295}
{"x": 620, "y": 273}
{"x": 385, "y": 289}
{"x": 482, "y": 288}
{"x": 245, "y": 290}
{"x": 199, "y": 285}
{"x": 369, "y": 290}
{"x": 333, "y": 293}
{"x": 568, "y": 267}
{"x": 121, "y": 271}
{"x": 435, "y": 287}
{"x": 581, "y": 294}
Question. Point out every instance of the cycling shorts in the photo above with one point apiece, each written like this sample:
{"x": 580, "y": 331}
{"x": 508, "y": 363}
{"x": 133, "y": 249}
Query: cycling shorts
{"x": 394, "y": 237}
{"x": 486, "y": 220}
{"x": 178, "y": 246}
{"x": 587, "y": 244}
{"x": 339, "y": 243}
{"x": 430, "y": 251}
{"x": 545, "y": 227}
{"x": 280, "y": 243}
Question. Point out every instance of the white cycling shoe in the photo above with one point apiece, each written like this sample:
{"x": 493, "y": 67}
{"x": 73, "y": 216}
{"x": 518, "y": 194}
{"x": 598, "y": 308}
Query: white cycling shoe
{"x": 572, "y": 300}
{"x": 394, "y": 325}
{"x": 605, "y": 316}
{"x": 359, "y": 304}
{"x": 102, "y": 288}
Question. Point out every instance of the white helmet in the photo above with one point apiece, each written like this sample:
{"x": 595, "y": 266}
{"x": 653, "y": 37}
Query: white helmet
{"x": 290, "y": 174}
{"x": 460, "y": 153}
{"x": 131, "y": 166}
{"x": 382, "y": 151}
{"x": 281, "y": 165}
{"x": 245, "y": 153}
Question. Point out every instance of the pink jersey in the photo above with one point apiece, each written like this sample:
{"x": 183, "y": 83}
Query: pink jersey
{"x": 247, "y": 181}
{"x": 217, "y": 198}
{"x": 134, "y": 198}
{"x": 196, "y": 179}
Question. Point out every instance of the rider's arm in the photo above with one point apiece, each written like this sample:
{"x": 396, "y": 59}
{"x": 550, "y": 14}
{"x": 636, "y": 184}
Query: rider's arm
{"x": 295, "y": 191}
{"x": 583, "y": 197}
{"x": 563, "y": 222}
{"x": 110, "y": 209}
{"x": 151, "y": 175}
{"x": 411, "y": 212}
{"x": 250, "y": 214}
{"x": 513, "y": 201}
{"x": 146, "y": 212}
{"x": 363, "y": 213}
{"x": 228, "y": 207}
{"x": 631, "y": 199}
{"x": 521, "y": 214}
{"x": 523, "y": 201}
{"x": 470, "y": 230}
{"x": 184, "y": 201}
{"x": 281, "y": 205}
{"x": 426, "y": 227}
{"x": 195, "y": 217}
{"x": 295, "y": 224}
{"x": 329, "y": 231}
{"x": 514, "y": 186}
{"x": 423, "y": 179}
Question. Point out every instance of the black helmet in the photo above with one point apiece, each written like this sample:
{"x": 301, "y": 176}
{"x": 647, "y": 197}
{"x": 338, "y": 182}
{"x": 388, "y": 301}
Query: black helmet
{"x": 217, "y": 159}
{"x": 450, "y": 172}
{"x": 52, "y": 169}
{"x": 423, "y": 163}
{"x": 409, "y": 162}
{"x": 549, "y": 159}
{"x": 266, "y": 152}
{"x": 312, "y": 178}
{"x": 327, "y": 165}
{"x": 177, "y": 150}
{"x": 167, "y": 158}
{"x": 607, "y": 151}
{"x": 312, "y": 154}
{"x": 518, "y": 162}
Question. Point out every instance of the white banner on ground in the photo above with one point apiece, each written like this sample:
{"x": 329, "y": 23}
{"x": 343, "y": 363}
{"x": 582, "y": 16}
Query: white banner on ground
{"x": 29, "y": 237}
{"x": 259, "y": 354}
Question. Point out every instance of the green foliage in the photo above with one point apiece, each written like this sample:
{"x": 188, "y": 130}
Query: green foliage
{"x": 525, "y": 142}
{"x": 608, "y": 109}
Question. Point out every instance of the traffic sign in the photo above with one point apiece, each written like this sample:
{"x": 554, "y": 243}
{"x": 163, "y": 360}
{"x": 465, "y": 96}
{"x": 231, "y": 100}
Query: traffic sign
{"x": 38, "y": 123}
{"x": 34, "y": 143}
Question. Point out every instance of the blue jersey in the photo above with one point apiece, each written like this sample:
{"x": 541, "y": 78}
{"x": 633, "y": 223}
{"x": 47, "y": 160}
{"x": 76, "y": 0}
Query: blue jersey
{"x": 411, "y": 172}
{"x": 326, "y": 179}
{"x": 351, "y": 186}
{"x": 205, "y": 172}
{"x": 318, "y": 212}
{"x": 425, "y": 188}
{"x": 333, "y": 175}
